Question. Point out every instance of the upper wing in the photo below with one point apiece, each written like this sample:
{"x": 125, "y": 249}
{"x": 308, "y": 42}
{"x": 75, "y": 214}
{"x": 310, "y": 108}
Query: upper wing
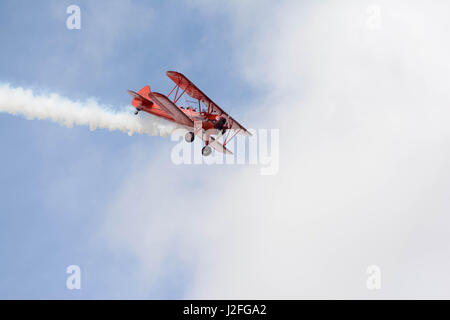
{"x": 168, "y": 106}
{"x": 186, "y": 85}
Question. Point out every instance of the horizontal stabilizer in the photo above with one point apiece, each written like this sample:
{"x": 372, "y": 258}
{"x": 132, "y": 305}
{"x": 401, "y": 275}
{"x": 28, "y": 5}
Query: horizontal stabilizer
{"x": 138, "y": 96}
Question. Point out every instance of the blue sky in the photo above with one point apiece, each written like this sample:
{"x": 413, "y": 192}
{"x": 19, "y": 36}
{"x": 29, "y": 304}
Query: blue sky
{"x": 55, "y": 181}
{"x": 359, "y": 93}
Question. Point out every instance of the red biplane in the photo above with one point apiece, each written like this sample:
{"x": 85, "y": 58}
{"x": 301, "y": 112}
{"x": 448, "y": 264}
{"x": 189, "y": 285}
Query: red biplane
{"x": 203, "y": 120}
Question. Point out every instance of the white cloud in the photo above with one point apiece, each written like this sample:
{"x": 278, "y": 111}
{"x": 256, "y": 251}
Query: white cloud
{"x": 363, "y": 173}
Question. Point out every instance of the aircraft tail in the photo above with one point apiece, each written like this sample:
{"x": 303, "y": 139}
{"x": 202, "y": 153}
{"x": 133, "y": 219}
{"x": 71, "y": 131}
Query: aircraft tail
{"x": 144, "y": 91}
{"x": 141, "y": 98}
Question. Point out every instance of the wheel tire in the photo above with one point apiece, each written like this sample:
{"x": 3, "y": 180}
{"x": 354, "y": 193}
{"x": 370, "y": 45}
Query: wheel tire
{"x": 206, "y": 151}
{"x": 189, "y": 137}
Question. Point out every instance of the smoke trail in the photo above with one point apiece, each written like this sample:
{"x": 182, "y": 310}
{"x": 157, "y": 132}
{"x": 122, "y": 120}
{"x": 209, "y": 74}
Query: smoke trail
{"x": 18, "y": 101}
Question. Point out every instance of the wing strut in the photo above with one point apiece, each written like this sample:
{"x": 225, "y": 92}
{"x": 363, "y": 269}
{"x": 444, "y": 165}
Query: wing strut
{"x": 228, "y": 140}
{"x": 172, "y": 90}
{"x": 176, "y": 99}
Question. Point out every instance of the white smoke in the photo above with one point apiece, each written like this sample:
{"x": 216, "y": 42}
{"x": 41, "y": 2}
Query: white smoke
{"x": 53, "y": 107}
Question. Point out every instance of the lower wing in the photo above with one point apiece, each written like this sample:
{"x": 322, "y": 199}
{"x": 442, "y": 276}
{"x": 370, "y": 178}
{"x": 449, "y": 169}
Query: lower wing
{"x": 214, "y": 143}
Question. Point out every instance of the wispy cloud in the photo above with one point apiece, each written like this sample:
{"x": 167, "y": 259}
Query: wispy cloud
{"x": 363, "y": 176}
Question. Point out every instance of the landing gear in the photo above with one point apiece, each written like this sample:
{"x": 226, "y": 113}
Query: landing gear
{"x": 137, "y": 111}
{"x": 189, "y": 137}
{"x": 206, "y": 151}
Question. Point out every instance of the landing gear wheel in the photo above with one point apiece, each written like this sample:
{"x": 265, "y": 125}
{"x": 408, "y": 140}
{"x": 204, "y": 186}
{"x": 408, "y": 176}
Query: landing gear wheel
{"x": 206, "y": 151}
{"x": 189, "y": 137}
